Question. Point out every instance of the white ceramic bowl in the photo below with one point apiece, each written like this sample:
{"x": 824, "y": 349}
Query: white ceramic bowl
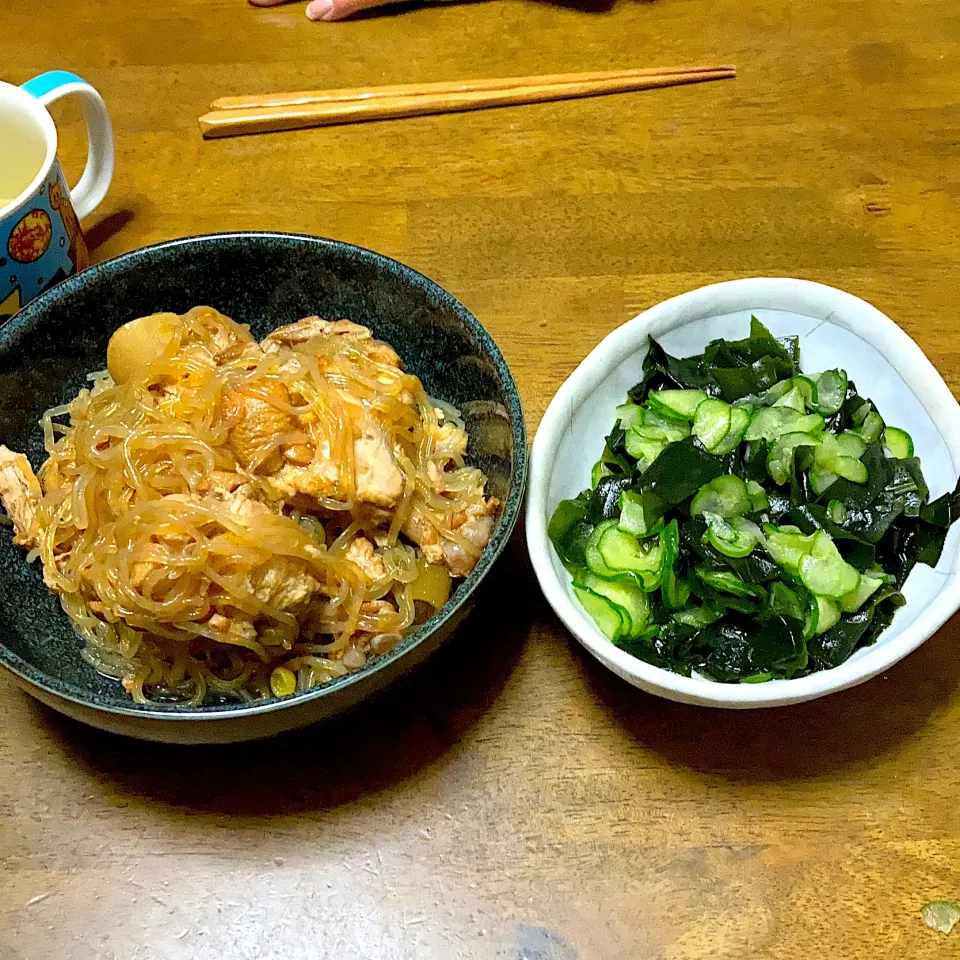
{"x": 835, "y": 329}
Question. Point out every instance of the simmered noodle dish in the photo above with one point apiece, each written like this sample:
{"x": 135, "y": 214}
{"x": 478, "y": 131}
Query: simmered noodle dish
{"x": 224, "y": 519}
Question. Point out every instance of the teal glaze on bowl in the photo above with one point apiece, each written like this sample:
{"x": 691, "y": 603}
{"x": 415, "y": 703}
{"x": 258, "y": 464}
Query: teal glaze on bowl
{"x": 266, "y": 280}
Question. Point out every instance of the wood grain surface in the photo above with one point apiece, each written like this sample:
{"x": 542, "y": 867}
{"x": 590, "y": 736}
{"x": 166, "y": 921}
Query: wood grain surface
{"x": 514, "y": 800}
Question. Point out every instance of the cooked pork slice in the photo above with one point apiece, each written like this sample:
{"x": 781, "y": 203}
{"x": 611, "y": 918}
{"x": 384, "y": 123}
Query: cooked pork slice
{"x": 293, "y": 334}
{"x": 258, "y": 422}
{"x": 379, "y": 480}
{"x": 361, "y": 553}
{"x": 20, "y": 495}
{"x": 374, "y": 608}
{"x": 299, "y": 486}
{"x": 219, "y": 332}
{"x": 309, "y": 328}
{"x": 282, "y": 583}
{"x": 245, "y": 355}
{"x": 227, "y": 489}
{"x": 422, "y": 531}
{"x": 449, "y": 440}
{"x": 140, "y": 570}
{"x": 223, "y": 484}
{"x": 232, "y": 629}
{"x": 243, "y": 508}
{"x": 473, "y": 524}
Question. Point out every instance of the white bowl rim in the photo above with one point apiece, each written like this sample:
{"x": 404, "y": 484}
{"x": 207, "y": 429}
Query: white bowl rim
{"x": 757, "y": 293}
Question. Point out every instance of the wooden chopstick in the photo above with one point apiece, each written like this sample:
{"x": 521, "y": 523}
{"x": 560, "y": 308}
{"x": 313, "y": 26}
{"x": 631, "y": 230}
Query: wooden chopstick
{"x": 458, "y": 86}
{"x": 236, "y": 121}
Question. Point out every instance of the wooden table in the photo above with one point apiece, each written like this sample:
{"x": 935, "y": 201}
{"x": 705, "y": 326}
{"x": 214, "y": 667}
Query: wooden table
{"x": 514, "y": 800}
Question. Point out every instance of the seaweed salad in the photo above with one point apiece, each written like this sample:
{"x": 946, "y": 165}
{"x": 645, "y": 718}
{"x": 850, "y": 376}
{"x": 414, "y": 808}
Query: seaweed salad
{"x": 747, "y": 521}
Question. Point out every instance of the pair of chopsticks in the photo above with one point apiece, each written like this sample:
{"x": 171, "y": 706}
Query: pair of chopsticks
{"x": 234, "y": 116}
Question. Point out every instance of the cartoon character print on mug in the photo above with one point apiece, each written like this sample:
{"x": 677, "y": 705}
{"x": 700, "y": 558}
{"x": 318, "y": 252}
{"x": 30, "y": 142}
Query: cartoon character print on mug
{"x": 43, "y": 247}
{"x": 41, "y": 242}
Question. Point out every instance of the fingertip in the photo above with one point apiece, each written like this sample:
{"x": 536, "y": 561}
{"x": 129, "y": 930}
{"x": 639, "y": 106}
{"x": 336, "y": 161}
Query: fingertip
{"x": 339, "y": 9}
{"x": 320, "y": 10}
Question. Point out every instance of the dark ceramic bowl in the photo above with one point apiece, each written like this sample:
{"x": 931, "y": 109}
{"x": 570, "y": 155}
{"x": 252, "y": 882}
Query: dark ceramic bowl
{"x": 266, "y": 280}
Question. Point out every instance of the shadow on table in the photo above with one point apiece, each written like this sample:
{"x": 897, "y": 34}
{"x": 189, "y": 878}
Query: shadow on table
{"x": 802, "y": 741}
{"x": 381, "y": 743}
{"x": 106, "y": 228}
{"x": 398, "y": 9}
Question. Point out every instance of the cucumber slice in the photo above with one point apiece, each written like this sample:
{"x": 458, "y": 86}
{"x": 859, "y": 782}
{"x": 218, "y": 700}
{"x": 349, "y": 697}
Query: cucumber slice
{"x": 724, "y": 496}
{"x": 671, "y": 429}
{"x": 794, "y": 399}
{"x": 758, "y": 496}
{"x": 831, "y": 392}
{"x": 810, "y": 620}
{"x": 632, "y": 518}
{"x": 679, "y": 404}
{"x": 711, "y": 422}
{"x": 605, "y": 614}
{"x": 836, "y": 511}
{"x": 768, "y": 423}
{"x": 599, "y": 471}
{"x": 727, "y": 582}
{"x": 591, "y": 551}
{"x": 739, "y": 421}
{"x": 674, "y": 591}
{"x": 629, "y": 599}
{"x": 808, "y": 388}
{"x": 824, "y": 572}
{"x": 872, "y": 427}
{"x": 630, "y": 415}
{"x": 647, "y": 431}
{"x": 838, "y": 456}
{"x": 623, "y": 553}
{"x": 852, "y": 602}
{"x": 732, "y": 538}
{"x": 811, "y": 423}
{"x": 850, "y": 469}
{"x": 774, "y": 393}
{"x": 822, "y": 614}
{"x": 804, "y": 385}
{"x": 697, "y": 617}
{"x": 849, "y": 444}
{"x": 860, "y": 414}
{"x": 780, "y": 461}
{"x": 788, "y": 546}
{"x": 898, "y": 442}
{"x": 642, "y": 447}
{"x": 828, "y": 614}
{"x": 821, "y": 478}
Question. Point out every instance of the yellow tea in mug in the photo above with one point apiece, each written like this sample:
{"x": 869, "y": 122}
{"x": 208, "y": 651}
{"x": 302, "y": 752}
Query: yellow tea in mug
{"x": 22, "y": 152}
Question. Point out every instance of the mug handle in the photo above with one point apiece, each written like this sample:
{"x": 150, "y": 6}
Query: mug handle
{"x": 98, "y": 173}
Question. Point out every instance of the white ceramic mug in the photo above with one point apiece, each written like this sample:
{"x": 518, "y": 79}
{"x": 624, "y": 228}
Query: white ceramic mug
{"x": 40, "y": 238}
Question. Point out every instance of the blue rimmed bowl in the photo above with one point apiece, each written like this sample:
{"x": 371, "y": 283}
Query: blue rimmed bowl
{"x": 266, "y": 280}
